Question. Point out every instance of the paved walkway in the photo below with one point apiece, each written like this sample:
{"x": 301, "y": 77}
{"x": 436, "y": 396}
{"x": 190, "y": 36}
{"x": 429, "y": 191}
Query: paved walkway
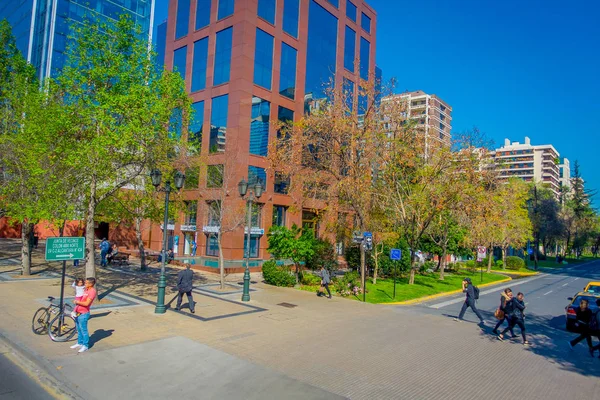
{"x": 325, "y": 348}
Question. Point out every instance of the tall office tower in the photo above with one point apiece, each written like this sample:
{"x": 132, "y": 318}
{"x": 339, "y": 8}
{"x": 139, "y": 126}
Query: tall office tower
{"x": 247, "y": 64}
{"x": 42, "y": 27}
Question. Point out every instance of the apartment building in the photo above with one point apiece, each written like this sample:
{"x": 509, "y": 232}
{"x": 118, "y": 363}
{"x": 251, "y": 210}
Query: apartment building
{"x": 532, "y": 163}
{"x": 247, "y": 64}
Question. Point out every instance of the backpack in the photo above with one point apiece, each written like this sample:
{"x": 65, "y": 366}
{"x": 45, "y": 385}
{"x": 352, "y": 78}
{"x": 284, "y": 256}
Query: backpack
{"x": 475, "y": 292}
{"x": 595, "y": 321}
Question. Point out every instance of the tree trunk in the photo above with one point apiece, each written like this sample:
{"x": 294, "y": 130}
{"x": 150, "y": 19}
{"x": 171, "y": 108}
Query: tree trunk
{"x": 26, "y": 247}
{"x": 490, "y": 258}
{"x": 221, "y": 262}
{"x": 376, "y": 258}
{"x": 443, "y": 263}
{"x": 411, "y": 279}
{"x": 140, "y": 242}
{"x": 503, "y": 257}
{"x": 90, "y": 263}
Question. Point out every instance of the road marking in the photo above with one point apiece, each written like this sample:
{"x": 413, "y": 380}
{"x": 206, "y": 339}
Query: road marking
{"x": 494, "y": 290}
{"x": 575, "y": 279}
{"x": 547, "y": 292}
{"x": 565, "y": 284}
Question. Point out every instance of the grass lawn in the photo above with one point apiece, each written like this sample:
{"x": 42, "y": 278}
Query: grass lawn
{"x": 550, "y": 262}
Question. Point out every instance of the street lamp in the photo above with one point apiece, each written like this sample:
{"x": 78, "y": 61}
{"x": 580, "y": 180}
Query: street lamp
{"x": 179, "y": 178}
{"x": 255, "y": 193}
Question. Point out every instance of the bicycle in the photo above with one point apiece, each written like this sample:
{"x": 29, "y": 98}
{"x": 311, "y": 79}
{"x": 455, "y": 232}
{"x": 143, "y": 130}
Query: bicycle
{"x": 60, "y": 329}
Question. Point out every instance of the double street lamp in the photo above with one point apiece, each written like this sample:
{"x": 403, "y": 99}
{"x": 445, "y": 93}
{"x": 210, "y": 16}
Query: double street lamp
{"x": 179, "y": 179}
{"x": 256, "y": 191}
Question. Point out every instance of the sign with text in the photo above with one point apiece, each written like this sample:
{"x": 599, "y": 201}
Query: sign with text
{"x": 396, "y": 254}
{"x": 65, "y": 248}
{"x": 481, "y": 253}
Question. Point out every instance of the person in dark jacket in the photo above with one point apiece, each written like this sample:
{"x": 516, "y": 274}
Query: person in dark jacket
{"x": 467, "y": 288}
{"x": 597, "y": 331}
{"x": 325, "y": 281}
{"x": 185, "y": 285}
{"x": 517, "y": 317}
{"x": 584, "y": 317}
{"x": 505, "y": 297}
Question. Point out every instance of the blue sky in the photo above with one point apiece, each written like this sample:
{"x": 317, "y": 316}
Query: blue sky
{"x": 511, "y": 68}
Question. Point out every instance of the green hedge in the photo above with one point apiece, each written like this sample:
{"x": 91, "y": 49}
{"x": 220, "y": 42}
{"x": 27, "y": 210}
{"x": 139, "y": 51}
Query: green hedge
{"x": 277, "y": 276}
{"x": 310, "y": 279}
{"x": 514, "y": 263}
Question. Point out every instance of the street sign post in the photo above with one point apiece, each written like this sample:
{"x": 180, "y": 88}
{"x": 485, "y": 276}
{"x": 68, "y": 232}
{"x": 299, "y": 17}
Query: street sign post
{"x": 481, "y": 253}
{"x": 63, "y": 249}
{"x": 395, "y": 255}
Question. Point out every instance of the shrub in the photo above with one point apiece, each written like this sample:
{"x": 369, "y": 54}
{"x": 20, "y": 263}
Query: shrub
{"x": 310, "y": 279}
{"x": 324, "y": 256}
{"x": 471, "y": 266}
{"x": 277, "y": 276}
{"x": 427, "y": 265}
{"x": 349, "y": 284}
{"x": 514, "y": 263}
{"x": 499, "y": 263}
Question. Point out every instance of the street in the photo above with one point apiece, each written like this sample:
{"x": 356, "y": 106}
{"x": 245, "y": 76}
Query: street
{"x": 15, "y": 384}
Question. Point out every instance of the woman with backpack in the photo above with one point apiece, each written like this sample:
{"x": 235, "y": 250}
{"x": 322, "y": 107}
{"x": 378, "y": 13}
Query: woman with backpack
{"x": 472, "y": 294}
{"x": 584, "y": 317}
{"x": 503, "y": 312}
{"x": 517, "y": 316}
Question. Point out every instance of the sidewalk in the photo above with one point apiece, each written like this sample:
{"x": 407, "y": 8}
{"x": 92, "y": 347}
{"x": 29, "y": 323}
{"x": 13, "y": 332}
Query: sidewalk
{"x": 310, "y": 347}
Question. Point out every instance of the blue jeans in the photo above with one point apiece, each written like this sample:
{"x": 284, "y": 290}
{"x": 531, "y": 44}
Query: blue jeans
{"x": 83, "y": 336}
{"x": 103, "y": 258}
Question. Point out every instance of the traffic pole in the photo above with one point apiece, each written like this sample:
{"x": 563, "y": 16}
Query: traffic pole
{"x": 395, "y": 273}
{"x": 62, "y": 284}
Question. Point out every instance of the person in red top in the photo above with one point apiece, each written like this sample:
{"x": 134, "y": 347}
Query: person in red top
{"x": 82, "y": 309}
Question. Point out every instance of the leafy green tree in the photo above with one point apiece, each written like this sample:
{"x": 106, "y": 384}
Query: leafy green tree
{"x": 291, "y": 244}
{"x": 122, "y": 116}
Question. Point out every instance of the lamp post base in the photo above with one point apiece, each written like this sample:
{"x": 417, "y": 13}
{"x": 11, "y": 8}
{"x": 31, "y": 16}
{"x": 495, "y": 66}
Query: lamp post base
{"x": 160, "y": 301}
{"x": 246, "y": 293}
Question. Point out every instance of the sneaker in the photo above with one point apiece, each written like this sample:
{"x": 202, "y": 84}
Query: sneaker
{"x": 482, "y": 323}
{"x": 457, "y": 320}
{"x": 570, "y": 345}
{"x": 526, "y": 343}
{"x": 76, "y": 345}
{"x": 500, "y": 337}
{"x": 82, "y": 349}
{"x": 192, "y": 311}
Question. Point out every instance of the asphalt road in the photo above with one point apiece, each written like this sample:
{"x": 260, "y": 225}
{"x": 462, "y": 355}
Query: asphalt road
{"x": 545, "y": 298}
{"x": 17, "y": 385}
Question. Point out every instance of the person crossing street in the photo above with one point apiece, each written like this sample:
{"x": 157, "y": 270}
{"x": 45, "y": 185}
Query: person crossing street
{"x": 472, "y": 294}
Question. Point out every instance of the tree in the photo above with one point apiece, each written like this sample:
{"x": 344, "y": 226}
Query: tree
{"x": 516, "y": 225}
{"x": 580, "y": 215}
{"x": 446, "y": 236}
{"x": 291, "y": 244}
{"x": 122, "y": 117}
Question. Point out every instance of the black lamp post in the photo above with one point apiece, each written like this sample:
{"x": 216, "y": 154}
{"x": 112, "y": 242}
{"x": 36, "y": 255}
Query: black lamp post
{"x": 255, "y": 193}
{"x": 179, "y": 179}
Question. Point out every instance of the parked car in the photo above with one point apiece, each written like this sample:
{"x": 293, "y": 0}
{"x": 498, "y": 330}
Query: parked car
{"x": 570, "y": 309}
{"x": 592, "y": 287}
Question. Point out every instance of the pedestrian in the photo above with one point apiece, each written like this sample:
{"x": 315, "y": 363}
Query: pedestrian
{"x": 503, "y": 311}
{"x": 472, "y": 294}
{"x": 82, "y": 312}
{"x": 185, "y": 285}
{"x": 170, "y": 256}
{"x": 584, "y": 317}
{"x": 194, "y": 248}
{"x": 517, "y": 317}
{"x": 104, "y": 247}
{"x": 114, "y": 250}
{"x": 325, "y": 281}
{"x": 79, "y": 286}
{"x": 595, "y": 327}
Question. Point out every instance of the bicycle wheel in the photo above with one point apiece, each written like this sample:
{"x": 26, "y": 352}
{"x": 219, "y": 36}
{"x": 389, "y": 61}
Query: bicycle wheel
{"x": 62, "y": 328}
{"x": 39, "y": 324}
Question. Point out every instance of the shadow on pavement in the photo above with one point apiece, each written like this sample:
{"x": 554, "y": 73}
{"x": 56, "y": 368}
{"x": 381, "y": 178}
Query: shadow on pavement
{"x": 100, "y": 334}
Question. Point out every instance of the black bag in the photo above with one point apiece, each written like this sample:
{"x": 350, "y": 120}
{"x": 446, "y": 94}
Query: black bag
{"x": 475, "y": 292}
{"x": 594, "y": 323}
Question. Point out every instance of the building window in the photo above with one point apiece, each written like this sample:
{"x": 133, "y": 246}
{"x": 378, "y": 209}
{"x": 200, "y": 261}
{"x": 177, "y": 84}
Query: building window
{"x": 349, "y": 49}
{"x": 256, "y": 220}
{"x": 225, "y": 8}
{"x": 285, "y": 116}
{"x": 442, "y": 107}
{"x": 263, "y": 59}
{"x": 191, "y": 212}
{"x": 192, "y": 178}
{"x": 281, "y": 183}
{"x": 214, "y": 211}
{"x": 195, "y": 129}
{"x": 202, "y": 13}
{"x": 365, "y": 23}
{"x": 321, "y": 50}
{"x": 214, "y": 176}
{"x": 259, "y": 127}
{"x": 223, "y": 56}
{"x": 254, "y": 245}
{"x": 363, "y": 101}
{"x": 349, "y": 95}
{"x": 266, "y": 10}
{"x": 179, "y": 59}
{"x": 365, "y": 51}
{"x": 291, "y": 11}
{"x": 257, "y": 173}
{"x": 442, "y": 135}
{"x": 183, "y": 18}
{"x": 199, "y": 64}
{"x": 287, "y": 77}
{"x": 335, "y": 3}
{"x": 351, "y": 11}
{"x": 442, "y": 116}
{"x": 218, "y": 124}
{"x": 212, "y": 246}
{"x": 310, "y": 221}
{"x": 279, "y": 214}
{"x": 442, "y": 127}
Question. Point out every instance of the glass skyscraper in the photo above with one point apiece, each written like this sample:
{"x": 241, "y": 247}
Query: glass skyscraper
{"x": 41, "y": 27}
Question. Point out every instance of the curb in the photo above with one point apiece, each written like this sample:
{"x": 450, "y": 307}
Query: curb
{"x": 443, "y": 294}
{"x": 516, "y": 273}
{"x": 36, "y": 369}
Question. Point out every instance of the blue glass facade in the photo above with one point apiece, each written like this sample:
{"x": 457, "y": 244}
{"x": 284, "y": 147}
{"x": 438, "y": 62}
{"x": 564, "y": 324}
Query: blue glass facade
{"x": 321, "y": 49}
{"x": 287, "y": 77}
{"x": 286, "y": 116}
{"x": 179, "y": 60}
{"x": 351, "y": 10}
{"x": 202, "y": 13}
{"x": 259, "y": 127}
{"x": 51, "y": 23}
{"x": 161, "y": 45}
{"x": 266, "y": 10}
{"x": 291, "y": 12}
{"x": 223, "y": 56}
{"x": 365, "y": 23}
{"x": 218, "y": 123}
{"x": 335, "y": 3}
{"x": 365, "y": 51}
{"x": 195, "y": 130}
{"x": 349, "y": 49}
{"x": 256, "y": 173}
{"x": 199, "y": 64}
{"x": 349, "y": 94}
{"x": 182, "y": 21}
{"x": 263, "y": 59}
{"x": 225, "y": 9}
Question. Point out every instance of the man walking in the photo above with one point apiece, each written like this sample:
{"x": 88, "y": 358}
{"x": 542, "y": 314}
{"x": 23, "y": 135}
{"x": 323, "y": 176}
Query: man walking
{"x": 469, "y": 290}
{"x": 104, "y": 247}
{"x": 185, "y": 280}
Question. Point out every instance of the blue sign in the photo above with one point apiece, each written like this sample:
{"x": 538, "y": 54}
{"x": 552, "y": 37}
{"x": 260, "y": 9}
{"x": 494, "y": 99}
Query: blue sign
{"x": 396, "y": 254}
{"x": 367, "y": 234}
{"x": 530, "y": 251}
